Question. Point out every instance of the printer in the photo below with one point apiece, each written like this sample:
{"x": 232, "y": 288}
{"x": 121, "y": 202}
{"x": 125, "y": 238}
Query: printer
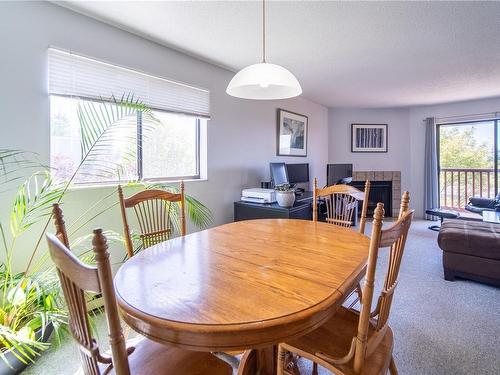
{"x": 257, "y": 195}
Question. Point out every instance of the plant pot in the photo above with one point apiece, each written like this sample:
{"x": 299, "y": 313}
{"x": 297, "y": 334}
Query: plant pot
{"x": 285, "y": 198}
{"x": 16, "y": 366}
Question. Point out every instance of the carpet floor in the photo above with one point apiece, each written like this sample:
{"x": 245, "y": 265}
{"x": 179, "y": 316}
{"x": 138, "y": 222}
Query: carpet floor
{"x": 440, "y": 327}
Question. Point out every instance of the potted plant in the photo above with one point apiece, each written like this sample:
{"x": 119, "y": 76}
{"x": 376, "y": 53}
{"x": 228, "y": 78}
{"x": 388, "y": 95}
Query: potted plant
{"x": 30, "y": 305}
{"x": 30, "y": 313}
{"x": 285, "y": 195}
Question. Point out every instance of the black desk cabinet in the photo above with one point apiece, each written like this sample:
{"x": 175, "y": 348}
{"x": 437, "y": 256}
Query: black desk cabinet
{"x": 302, "y": 209}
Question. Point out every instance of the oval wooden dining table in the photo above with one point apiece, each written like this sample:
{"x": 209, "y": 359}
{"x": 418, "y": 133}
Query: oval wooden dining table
{"x": 247, "y": 284}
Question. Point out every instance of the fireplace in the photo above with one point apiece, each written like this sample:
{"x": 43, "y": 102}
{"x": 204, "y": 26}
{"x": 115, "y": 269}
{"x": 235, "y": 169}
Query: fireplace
{"x": 383, "y": 176}
{"x": 380, "y": 191}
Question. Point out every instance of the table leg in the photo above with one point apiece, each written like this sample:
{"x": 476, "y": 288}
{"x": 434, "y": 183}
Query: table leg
{"x": 266, "y": 360}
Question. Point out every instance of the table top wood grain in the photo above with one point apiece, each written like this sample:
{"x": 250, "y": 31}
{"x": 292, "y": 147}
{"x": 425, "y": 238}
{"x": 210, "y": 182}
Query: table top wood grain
{"x": 241, "y": 285}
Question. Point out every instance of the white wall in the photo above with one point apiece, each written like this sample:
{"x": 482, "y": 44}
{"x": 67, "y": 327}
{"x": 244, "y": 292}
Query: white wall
{"x": 396, "y": 158}
{"x": 241, "y": 133}
{"x": 406, "y": 132}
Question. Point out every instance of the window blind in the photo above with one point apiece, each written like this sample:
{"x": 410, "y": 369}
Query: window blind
{"x": 468, "y": 118}
{"x": 74, "y": 75}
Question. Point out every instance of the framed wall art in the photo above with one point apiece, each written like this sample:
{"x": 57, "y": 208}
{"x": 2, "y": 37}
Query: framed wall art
{"x": 368, "y": 137}
{"x": 291, "y": 138}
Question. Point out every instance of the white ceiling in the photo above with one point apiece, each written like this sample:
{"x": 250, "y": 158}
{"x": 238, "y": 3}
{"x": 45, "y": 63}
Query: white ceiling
{"x": 355, "y": 54}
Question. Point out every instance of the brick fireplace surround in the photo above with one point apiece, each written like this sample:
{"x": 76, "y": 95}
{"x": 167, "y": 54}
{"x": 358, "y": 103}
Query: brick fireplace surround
{"x": 394, "y": 176}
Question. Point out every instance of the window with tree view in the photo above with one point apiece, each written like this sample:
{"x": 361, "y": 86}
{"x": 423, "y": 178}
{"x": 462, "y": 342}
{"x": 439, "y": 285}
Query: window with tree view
{"x": 468, "y": 162}
{"x": 156, "y": 145}
{"x": 113, "y": 124}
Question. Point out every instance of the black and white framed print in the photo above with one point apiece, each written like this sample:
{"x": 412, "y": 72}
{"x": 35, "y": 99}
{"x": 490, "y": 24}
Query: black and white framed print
{"x": 291, "y": 136}
{"x": 368, "y": 137}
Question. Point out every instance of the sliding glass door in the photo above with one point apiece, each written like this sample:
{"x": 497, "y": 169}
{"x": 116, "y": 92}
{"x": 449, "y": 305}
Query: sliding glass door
{"x": 468, "y": 156}
{"x": 497, "y": 156}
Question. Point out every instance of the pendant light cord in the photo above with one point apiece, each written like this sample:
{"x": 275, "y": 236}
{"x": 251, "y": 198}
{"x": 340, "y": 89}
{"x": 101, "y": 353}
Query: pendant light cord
{"x": 263, "y": 31}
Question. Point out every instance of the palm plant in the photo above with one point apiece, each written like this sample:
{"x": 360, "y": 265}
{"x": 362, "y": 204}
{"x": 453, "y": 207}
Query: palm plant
{"x": 14, "y": 162}
{"x": 28, "y": 304}
{"x": 102, "y": 125}
{"x": 31, "y": 300}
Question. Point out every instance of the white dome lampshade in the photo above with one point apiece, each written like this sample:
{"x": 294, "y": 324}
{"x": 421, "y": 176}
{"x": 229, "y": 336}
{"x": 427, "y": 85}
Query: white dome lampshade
{"x": 264, "y": 81}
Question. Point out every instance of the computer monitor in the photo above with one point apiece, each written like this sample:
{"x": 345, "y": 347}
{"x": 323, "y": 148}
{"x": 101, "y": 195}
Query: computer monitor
{"x": 337, "y": 172}
{"x": 278, "y": 173}
{"x": 297, "y": 173}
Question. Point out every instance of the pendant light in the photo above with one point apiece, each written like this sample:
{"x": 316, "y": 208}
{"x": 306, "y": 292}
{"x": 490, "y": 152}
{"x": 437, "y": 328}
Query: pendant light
{"x": 264, "y": 81}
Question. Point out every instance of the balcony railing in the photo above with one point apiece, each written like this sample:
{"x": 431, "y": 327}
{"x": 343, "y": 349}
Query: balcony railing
{"x": 457, "y": 185}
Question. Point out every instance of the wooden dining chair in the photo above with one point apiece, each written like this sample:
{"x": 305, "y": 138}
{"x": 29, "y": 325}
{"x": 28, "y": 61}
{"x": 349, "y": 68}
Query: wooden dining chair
{"x": 153, "y": 209}
{"x": 354, "y": 342}
{"x": 60, "y": 225}
{"x": 341, "y": 201}
{"x": 147, "y": 357}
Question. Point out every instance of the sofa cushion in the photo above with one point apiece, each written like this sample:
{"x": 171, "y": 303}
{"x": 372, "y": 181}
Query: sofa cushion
{"x": 479, "y": 210}
{"x": 484, "y": 202}
{"x": 474, "y": 238}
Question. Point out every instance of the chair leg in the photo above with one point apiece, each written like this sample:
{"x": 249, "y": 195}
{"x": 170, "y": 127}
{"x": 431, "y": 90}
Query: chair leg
{"x": 281, "y": 360}
{"x": 315, "y": 369}
{"x": 358, "y": 291}
{"x": 392, "y": 367}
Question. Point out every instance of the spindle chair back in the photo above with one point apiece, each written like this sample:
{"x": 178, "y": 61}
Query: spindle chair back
{"x": 394, "y": 238}
{"x": 341, "y": 201}
{"x": 370, "y": 329}
{"x": 153, "y": 209}
{"x": 77, "y": 278}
